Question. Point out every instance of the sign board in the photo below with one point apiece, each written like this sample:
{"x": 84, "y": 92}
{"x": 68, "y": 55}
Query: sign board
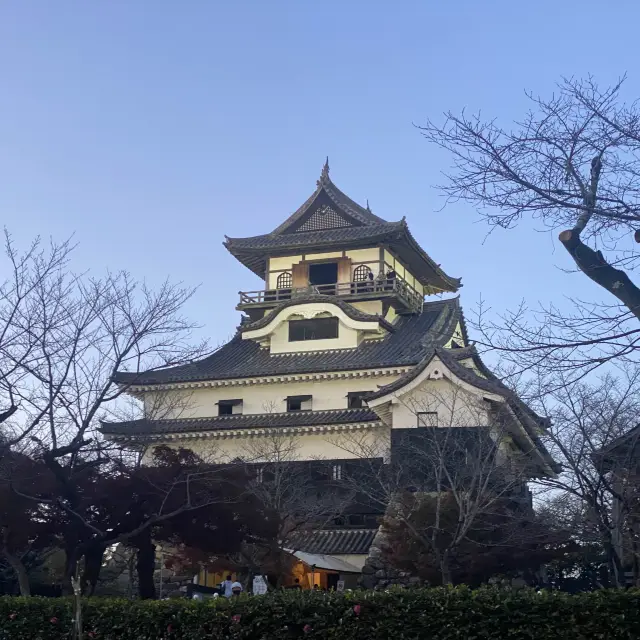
{"x": 340, "y": 585}
{"x": 259, "y": 585}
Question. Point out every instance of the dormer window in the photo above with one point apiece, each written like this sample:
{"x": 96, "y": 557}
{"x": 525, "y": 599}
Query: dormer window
{"x": 299, "y": 403}
{"x": 355, "y": 399}
{"x": 229, "y": 407}
{"x": 427, "y": 418}
{"x": 313, "y": 329}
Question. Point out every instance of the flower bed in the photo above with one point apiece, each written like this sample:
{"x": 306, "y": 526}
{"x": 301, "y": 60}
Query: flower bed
{"x": 436, "y": 614}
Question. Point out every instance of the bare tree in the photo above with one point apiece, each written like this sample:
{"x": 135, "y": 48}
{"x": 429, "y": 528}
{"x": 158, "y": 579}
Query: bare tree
{"x": 33, "y": 281}
{"x": 64, "y": 337}
{"x": 587, "y": 419}
{"x": 463, "y": 475}
{"x": 294, "y": 496}
{"x": 572, "y": 164}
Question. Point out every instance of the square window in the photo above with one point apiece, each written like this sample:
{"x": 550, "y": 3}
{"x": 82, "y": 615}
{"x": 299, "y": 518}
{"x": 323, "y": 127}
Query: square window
{"x": 313, "y": 329}
{"x": 229, "y": 407}
{"x": 355, "y": 399}
{"x": 323, "y": 273}
{"x": 299, "y": 403}
{"x": 427, "y": 418}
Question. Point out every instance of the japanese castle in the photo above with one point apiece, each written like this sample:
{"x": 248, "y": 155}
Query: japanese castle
{"x": 350, "y": 333}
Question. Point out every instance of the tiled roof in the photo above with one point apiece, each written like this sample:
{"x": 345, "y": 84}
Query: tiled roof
{"x": 412, "y": 337}
{"x": 368, "y": 233}
{"x": 335, "y": 541}
{"x": 622, "y": 452}
{"x": 240, "y": 421}
{"x": 253, "y": 251}
{"x": 450, "y": 357}
{"x": 351, "y": 311}
{"x": 337, "y": 197}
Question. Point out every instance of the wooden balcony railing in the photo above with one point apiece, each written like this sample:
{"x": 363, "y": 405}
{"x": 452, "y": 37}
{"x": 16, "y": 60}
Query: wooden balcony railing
{"x": 369, "y": 288}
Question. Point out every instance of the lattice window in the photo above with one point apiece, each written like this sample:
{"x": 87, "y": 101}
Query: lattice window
{"x": 361, "y": 273}
{"x": 324, "y": 217}
{"x": 284, "y": 281}
{"x": 427, "y": 418}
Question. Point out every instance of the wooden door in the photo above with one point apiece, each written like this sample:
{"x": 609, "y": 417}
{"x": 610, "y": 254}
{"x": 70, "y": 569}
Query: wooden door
{"x": 300, "y": 275}
{"x": 344, "y": 270}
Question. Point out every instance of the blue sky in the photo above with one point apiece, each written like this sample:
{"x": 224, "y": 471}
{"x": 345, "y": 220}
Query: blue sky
{"x": 150, "y": 129}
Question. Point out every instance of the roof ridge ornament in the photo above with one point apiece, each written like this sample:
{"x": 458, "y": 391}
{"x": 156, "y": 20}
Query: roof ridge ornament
{"x": 324, "y": 176}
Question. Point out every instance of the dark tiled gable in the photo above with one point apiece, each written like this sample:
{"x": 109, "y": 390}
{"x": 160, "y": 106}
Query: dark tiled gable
{"x": 413, "y": 335}
{"x": 335, "y": 541}
{"x": 327, "y": 192}
{"x": 241, "y": 421}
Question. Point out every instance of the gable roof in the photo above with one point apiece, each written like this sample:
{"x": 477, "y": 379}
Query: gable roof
{"x": 530, "y": 420}
{"x": 355, "y": 214}
{"x": 347, "y": 225}
{"x": 622, "y": 452}
{"x": 412, "y": 336}
{"x": 334, "y": 541}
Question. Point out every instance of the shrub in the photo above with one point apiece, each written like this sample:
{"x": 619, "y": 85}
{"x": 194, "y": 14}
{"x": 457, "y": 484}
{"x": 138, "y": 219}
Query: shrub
{"x": 436, "y": 614}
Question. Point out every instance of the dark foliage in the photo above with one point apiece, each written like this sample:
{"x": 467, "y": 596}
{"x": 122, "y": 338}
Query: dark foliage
{"x": 438, "y": 614}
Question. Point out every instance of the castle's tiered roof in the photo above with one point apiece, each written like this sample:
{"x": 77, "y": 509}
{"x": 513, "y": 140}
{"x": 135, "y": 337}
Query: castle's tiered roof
{"x": 330, "y": 219}
{"x": 406, "y": 344}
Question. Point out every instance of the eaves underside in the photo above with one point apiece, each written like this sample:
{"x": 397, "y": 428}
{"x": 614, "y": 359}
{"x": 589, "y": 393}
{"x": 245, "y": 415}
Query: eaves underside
{"x": 268, "y": 380}
{"x": 226, "y": 434}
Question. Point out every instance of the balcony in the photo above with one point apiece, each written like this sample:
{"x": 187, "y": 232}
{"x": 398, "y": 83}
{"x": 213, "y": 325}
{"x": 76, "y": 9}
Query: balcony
{"x": 399, "y": 293}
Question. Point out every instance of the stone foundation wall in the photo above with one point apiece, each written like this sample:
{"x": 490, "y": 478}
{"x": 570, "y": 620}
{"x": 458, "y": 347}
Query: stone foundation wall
{"x": 377, "y": 574}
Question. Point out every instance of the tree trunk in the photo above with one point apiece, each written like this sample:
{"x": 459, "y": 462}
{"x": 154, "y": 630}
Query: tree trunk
{"x": 445, "y": 569}
{"x": 92, "y": 566}
{"x": 72, "y": 557}
{"x": 615, "y": 566}
{"x": 20, "y": 570}
{"x": 146, "y": 566}
{"x": 593, "y": 264}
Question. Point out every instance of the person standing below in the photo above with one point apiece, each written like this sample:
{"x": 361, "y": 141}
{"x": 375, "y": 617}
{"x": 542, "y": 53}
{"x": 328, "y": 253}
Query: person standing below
{"x": 227, "y": 587}
{"x": 236, "y": 589}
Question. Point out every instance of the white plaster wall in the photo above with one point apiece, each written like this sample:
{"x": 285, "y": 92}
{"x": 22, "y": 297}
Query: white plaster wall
{"x": 458, "y": 337}
{"x": 371, "y": 256}
{"x": 264, "y": 398}
{"x": 455, "y": 406}
{"x": 318, "y": 446}
{"x": 356, "y": 559}
{"x": 373, "y": 307}
{"x": 347, "y": 339}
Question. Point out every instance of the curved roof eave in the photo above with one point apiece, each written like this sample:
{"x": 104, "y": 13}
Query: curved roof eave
{"x": 349, "y": 310}
{"x": 239, "y": 358}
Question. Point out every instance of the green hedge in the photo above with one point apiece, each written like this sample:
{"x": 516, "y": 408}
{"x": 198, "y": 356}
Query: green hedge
{"x": 434, "y": 614}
